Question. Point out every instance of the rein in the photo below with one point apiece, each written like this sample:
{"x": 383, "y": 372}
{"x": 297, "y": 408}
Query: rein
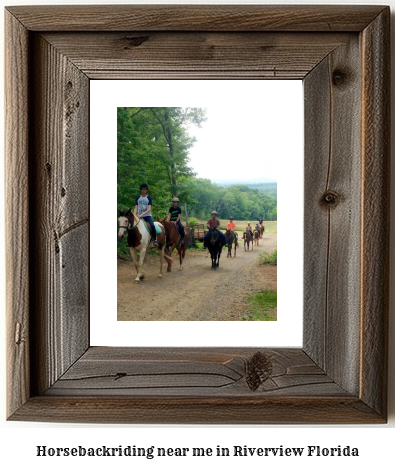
{"x": 129, "y": 226}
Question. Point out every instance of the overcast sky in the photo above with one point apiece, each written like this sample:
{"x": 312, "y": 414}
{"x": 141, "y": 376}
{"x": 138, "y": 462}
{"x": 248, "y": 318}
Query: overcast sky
{"x": 248, "y": 142}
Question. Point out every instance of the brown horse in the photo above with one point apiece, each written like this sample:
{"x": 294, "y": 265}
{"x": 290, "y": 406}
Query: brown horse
{"x": 173, "y": 240}
{"x": 256, "y": 237}
{"x": 262, "y": 229}
{"x": 230, "y": 239}
{"x": 248, "y": 238}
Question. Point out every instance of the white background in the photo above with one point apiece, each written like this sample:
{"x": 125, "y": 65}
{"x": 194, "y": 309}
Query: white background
{"x": 18, "y": 440}
{"x": 281, "y": 102}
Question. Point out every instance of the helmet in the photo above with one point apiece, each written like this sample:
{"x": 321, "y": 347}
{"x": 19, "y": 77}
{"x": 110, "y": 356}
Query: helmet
{"x": 143, "y": 185}
{"x": 214, "y": 213}
{"x": 175, "y": 199}
{"x": 230, "y": 218}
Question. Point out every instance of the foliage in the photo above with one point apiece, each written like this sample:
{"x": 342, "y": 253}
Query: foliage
{"x": 152, "y": 148}
{"x": 123, "y": 250}
{"x": 266, "y": 258}
{"x": 269, "y": 189}
{"x": 238, "y": 201}
{"x": 192, "y": 221}
{"x": 261, "y": 306}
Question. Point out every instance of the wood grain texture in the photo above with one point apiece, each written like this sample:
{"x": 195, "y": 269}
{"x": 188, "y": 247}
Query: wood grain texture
{"x": 192, "y": 372}
{"x": 375, "y": 212}
{"x": 196, "y": 54}
{"x": 198, "y": 410}
{"x": 332, "y": 170}
{"x": 17, "y": 213}
{"x": 60, "y": 178}
{"x": 196, "y": 18}
{"x": 339, "y": 376}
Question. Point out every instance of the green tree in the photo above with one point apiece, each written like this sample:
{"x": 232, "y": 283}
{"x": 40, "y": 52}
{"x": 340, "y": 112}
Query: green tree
{"x": 152, "y": 147}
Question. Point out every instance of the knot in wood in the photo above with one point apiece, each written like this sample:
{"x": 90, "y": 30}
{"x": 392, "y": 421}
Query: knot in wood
{"x": 135, "y": 41}
{"x": 339, "y": 77}
{"x": 330, "y": 198}
{"x": 259, "y": 369}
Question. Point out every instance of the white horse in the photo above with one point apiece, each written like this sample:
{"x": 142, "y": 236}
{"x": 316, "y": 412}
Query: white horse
{"x": 139, "y": 239}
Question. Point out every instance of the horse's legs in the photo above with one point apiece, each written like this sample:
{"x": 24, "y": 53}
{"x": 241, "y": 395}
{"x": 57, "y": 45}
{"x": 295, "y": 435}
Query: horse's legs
{"x": 172, "y": 249}
{"x": 168, "y": 262}
{"x": 182, "y": 251}
{"x": 140, "y": 271}
{"x": 134, "y": 258}
{"x": 161, "y": 258}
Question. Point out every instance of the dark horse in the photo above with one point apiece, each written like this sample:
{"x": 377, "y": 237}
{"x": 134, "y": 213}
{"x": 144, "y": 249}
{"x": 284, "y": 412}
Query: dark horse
{"x": 214, "y": 245}
{"x": 173, "y": 240}
{"x": 230, "y": 239}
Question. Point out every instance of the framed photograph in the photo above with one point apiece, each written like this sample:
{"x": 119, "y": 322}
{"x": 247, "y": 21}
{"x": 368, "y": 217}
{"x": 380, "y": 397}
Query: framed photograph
{"x": 339, "y": 375}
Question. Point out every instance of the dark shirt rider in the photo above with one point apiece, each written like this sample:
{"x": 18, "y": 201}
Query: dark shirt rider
{"x": 174, "y": 216}
{"x": 214, "y": 224}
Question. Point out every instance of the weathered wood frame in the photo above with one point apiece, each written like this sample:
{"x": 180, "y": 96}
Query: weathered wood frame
{"x": 340, "y": 374}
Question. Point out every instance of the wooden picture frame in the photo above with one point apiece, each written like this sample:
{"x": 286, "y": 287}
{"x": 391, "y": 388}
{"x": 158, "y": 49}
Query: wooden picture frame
{"x": 340, "y": 374}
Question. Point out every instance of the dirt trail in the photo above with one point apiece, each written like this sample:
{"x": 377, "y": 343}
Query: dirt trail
{"x": 191, "y": 293}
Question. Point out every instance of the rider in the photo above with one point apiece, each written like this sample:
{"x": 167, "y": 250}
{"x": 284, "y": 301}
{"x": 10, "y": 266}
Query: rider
{"x": 213, "y": 224}
{"x": 231, "y": 226}
{"x": 142, "y": 210}
{"x": 258, "y": 227}
{"x": 249, "y": 228}
{"x": 174, "y": 216}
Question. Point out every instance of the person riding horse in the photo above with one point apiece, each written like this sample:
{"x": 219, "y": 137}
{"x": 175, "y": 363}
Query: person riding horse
{"x": 174, "y": 217}
{"x": 231, "y": 226}
{"x": 142, "y": 210}
{"x": 249, "y": 228}
{"x": 214, "y": 224}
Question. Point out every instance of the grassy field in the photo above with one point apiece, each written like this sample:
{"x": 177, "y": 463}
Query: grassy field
{"x": 270, "y": 225}
{"x": 261, "y": 306}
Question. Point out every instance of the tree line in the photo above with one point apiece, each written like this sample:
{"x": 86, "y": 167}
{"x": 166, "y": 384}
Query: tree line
{"x": 152, "y": 148}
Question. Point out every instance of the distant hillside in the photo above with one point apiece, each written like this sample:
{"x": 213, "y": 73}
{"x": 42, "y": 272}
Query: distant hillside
{"x": 225, "y": 183}
{"x": 266, "y": 188}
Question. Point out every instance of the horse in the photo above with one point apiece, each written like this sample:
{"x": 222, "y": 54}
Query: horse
{"x": 214, "y": 245}
{"x": 262, "y": 229}
{"x": 173, "y": 240}
{"x": 229, "y": 240}
{"x": 256, "y": 237}
{"x": 139, "y": 239}
{"x": 247, "y": 237}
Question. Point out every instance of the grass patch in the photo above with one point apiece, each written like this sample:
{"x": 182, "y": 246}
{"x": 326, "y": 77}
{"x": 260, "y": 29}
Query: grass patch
{"x": 261, "y": 306}
{"x": 268, "y": 258}
{"x": 197, "y": 248}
